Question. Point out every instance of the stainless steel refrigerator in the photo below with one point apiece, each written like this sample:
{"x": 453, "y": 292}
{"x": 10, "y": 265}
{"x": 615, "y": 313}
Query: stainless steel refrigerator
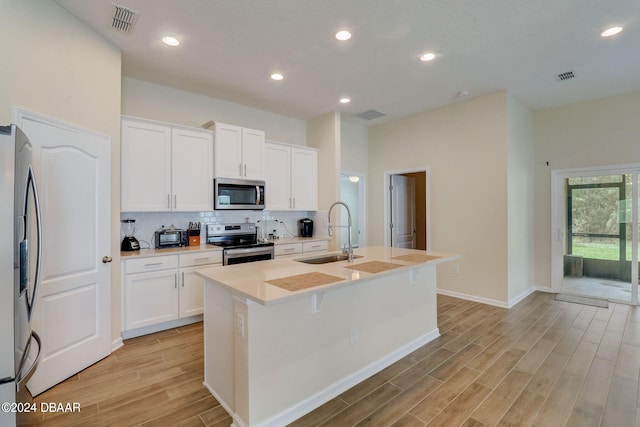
{"x": 20, "y": 260}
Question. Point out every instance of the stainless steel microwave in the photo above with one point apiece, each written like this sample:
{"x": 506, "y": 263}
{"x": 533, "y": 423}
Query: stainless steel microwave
{"x": 236, "y": 194}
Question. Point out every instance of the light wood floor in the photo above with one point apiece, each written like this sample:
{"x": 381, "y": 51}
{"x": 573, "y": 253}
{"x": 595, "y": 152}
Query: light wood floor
{"x": 542, "y": 363}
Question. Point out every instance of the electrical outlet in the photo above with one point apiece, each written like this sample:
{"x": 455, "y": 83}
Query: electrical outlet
{"x": 456, "y": 269}
{"x": 240, "y": 325}
{"x": 354, "y": 336}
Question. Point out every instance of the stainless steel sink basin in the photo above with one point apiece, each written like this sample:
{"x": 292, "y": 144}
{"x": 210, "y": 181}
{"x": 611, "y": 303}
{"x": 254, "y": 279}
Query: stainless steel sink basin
{"x": 325, "y": 259}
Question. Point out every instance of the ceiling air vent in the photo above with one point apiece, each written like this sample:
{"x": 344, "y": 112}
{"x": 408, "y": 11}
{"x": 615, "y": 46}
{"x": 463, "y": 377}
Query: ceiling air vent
{"x": 567, "y": 75}
{"x": 370, "y": 115}
{"x": 123, "y": 18}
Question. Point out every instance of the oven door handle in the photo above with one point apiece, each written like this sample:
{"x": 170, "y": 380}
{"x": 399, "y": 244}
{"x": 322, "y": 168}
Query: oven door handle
{"x": 251, "y": 251}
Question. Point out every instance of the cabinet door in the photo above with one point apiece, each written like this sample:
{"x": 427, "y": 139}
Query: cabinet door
{"x": 151, "y": 298}
{"x": 192, "y": 170}
{"x": 304, "y": 179}
{"x": 227, "y": 157}
{"x": 146, "y": 167}
{"x": 277, "y": 176}
{"x": 252, "y": 153}
{"x": 191, "y": 292}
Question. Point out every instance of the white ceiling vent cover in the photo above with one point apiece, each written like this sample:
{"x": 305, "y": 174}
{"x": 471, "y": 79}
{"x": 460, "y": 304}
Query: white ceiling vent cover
{"x": 370, "y": 115}
{"x": 123, "y": 18}
{"x": 567, "y": 75}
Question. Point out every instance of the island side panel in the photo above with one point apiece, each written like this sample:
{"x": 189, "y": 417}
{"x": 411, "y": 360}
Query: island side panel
{"x": 219, "y": 342}
{"x": 298, "y": 360}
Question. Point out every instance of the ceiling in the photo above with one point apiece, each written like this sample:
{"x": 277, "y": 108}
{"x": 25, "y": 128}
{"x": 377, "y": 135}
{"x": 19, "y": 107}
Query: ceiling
{"x": 229, "y": 49}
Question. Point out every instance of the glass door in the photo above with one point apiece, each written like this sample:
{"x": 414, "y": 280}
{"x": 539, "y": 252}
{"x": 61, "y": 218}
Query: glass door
{"x": 600, "y": 235}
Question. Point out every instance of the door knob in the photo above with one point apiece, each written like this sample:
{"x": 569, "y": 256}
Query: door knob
{"x": 106, "y": 259}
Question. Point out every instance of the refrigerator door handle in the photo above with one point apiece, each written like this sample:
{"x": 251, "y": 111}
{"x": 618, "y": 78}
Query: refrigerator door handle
{"x": 20, "y": 378}
{"x": 31, "y": 184}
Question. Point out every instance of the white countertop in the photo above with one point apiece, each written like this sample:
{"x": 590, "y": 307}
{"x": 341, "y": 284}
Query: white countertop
{"x": 204, "y": 248}
{"x": 248, "y": 280}
{"x": 168, "y": 251}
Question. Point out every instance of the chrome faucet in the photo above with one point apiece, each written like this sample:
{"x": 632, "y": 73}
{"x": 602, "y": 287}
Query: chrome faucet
{"x": 345, "y": 251}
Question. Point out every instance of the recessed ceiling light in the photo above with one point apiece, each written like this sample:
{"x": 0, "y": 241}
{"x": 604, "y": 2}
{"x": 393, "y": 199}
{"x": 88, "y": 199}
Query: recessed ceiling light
{"x": 171, "y": 41}
{"x": 343, "y": 35}
{"x": 277, "y": 76}
{"x": 345, "y": 100}
{"x": 429, "y": 56}
{"x": 612, "y": 31}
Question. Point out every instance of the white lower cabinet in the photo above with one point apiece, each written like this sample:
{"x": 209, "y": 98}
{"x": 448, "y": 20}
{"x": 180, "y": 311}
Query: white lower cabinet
{"x": 292, "y": 249}
{"x": 163, "y": 289}
{"x": 151, "y": 298}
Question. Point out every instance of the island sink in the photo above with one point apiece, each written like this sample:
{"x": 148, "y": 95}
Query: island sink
{"x": 327, "y": 259}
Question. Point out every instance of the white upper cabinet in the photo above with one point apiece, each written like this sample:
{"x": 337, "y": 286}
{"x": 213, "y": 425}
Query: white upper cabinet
{"x": 166, "y": 168}
{"x": 291, "y": 175}
{"x": 239, "y": 152}
{"x": 304, "y": 179}
{"x": 192, "y": 170}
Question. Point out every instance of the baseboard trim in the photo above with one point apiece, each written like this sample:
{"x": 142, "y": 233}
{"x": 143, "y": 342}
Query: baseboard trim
{"x": 116, "y": 344}
{"x": 523, "y": 295}
{"x": 474, "y": 298}
{"x": 132, "y": 333}
{"x": 307, "y": 405}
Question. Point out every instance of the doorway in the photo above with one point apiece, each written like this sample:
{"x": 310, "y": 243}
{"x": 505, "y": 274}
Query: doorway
{"x": 407, "y": 208}
{"x": 595, "y": 242}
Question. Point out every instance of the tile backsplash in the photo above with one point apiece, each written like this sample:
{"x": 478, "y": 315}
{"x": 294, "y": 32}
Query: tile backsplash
{"x": 286, "y": 222}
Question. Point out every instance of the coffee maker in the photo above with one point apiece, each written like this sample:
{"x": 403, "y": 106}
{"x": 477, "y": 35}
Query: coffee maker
{"x": 306, "y": 227}
{"x": 129, "y": 243}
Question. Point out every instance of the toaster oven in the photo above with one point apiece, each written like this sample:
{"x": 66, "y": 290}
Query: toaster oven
{"x": 171, "y": 238}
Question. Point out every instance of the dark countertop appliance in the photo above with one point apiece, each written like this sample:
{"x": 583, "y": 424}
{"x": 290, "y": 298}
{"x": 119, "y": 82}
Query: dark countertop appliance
{"x": 129, "y": 243}
{"x": 239, "y": 243}
{"x": 238, "y": 194}
{"x": 171, "y": 238}
{"x": 306, "y": 227}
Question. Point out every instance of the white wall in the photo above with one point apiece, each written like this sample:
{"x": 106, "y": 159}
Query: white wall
{"x": 156, "y": 102}
{"x": 54, "y": 65}
{"x": 354, "y": 147}
{"x": 520, "y": 204}
{"x": 465, "y": 145}
{"x": 596, "y": 133}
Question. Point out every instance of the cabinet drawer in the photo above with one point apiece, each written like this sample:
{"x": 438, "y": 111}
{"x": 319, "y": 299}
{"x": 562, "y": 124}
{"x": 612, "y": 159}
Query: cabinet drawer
{"x": 200, "y": 258}
{"x": 151, "y": 264}
{"x": 321, "y": 245}
{"x": 288, "y": 249}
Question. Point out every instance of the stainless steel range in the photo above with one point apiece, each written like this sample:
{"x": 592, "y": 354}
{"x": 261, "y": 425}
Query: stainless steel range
{"x": 239, "y": 243}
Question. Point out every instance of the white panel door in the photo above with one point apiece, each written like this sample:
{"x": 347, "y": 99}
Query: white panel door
{"x": 73, "y": 308}
{"x": 146, "y": 167}
{"x": 191, "y": 292}
{"x": 252, "y": 153}
{"x": 228, "y": 151}
{"x": 277, "y": 175}
{"x": 192, "y": 170}
{"x": 403, "y": 218}
{"x": 304, "y": 179}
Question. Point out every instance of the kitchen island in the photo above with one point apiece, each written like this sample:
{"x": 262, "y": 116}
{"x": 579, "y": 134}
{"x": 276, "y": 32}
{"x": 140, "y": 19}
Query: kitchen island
{"x": 282, "y": 337}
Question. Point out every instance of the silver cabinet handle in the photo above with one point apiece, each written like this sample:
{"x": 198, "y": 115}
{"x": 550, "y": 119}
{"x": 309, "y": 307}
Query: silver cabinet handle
{"x": 106, "y": 259}
{"x": 294, "y": 203}
{"x": 153, "y": 263}
{"x": 240, "y": 169}
{"x": 203, "y": 259}
{"x": 175, "y": 201}
{"x": 175, "y": 280}
{"x": 245, "y": 170}
{"x": 183, "y": 279}
{"x": 290, "y": 249}
{"x": 168, "y": 201}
